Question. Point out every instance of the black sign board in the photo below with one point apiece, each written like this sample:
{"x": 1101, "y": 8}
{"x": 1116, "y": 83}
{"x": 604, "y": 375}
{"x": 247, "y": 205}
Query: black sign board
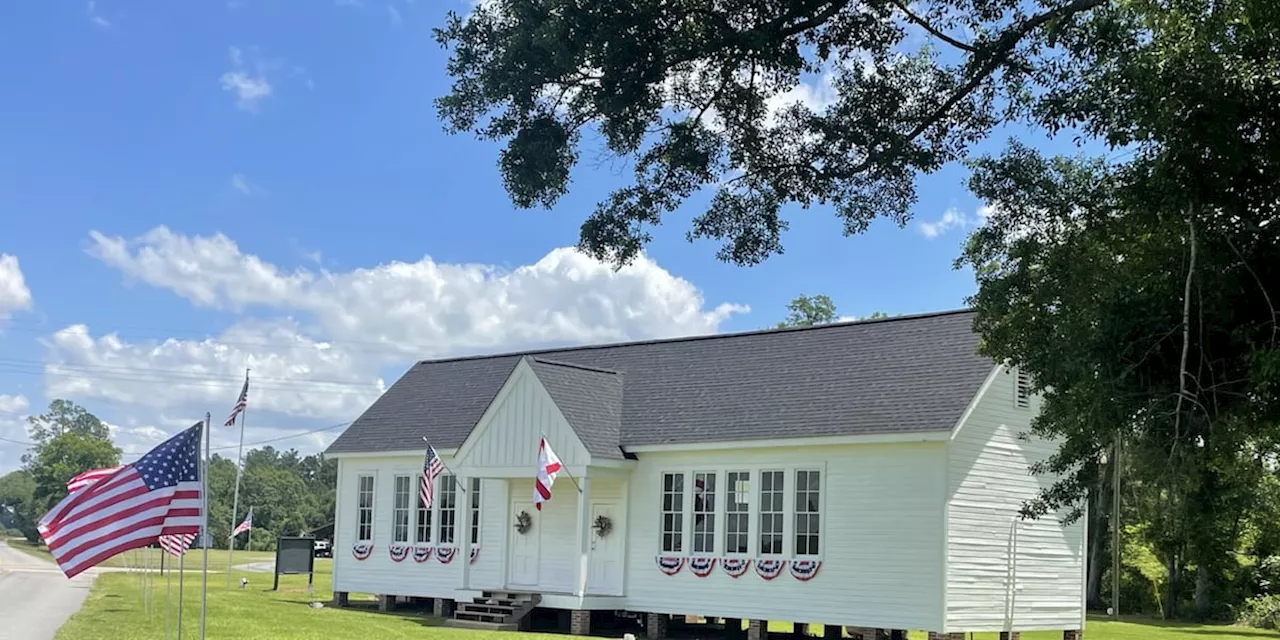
{"x": 295, "y": 555}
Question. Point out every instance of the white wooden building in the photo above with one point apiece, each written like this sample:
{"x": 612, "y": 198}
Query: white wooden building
{"x": 863, "y": 475}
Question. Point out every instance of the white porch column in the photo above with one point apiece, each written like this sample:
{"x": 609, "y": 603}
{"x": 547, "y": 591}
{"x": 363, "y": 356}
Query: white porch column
{"x": 462, "y": 527}
{"x": 584, "y": 532}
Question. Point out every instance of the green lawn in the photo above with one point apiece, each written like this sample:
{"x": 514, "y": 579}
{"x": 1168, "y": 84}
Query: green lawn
{"x": 114, "y": 610}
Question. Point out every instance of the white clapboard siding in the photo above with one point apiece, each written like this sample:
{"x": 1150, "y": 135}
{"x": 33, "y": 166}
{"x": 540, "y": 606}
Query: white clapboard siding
{"x": 1004, "y": 572}
{"x": 490, "y": 566}
{"x": 882, "y": 536}
{"x": 507, "y": 435}
{"x": 380, "y": 574}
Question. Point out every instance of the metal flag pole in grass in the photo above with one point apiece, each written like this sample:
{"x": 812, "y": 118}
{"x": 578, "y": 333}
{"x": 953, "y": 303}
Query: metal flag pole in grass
{"x": 241, "y": 408}
{"x": 204, "y": 529}
{"x": 182, "y": 574}
{"x": 168, "y": 595}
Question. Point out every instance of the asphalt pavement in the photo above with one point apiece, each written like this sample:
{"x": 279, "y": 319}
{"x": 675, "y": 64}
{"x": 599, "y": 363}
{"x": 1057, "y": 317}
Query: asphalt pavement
{"x": 35, "y": 597}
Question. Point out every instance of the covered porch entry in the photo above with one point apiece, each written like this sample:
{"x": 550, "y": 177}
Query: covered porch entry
{"x": 572, "y": 552}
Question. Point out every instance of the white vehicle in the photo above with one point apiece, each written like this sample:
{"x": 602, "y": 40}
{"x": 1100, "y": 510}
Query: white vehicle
{"x": 323, "y": 549}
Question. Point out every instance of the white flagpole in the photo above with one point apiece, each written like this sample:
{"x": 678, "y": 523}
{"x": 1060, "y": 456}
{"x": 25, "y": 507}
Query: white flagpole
{"x": 182, "y": 574}
{"x": 235, "y": 501}
{"x": 168, "y": 594}
{"x": 204, "y": 529}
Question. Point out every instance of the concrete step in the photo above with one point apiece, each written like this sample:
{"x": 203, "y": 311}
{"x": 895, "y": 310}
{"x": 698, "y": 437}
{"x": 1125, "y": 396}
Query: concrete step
{"x": 476, "y": 624}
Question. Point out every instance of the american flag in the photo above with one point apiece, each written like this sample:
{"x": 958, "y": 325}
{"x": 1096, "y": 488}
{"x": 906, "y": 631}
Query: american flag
{"x": 177, "y": 544}
{"x": 89, "y": 477}
{"x": 244, "y": 526}
{"x": 432, "y": 467}
{"x": 241, "y": 402}
{"x": 159, "y": 495}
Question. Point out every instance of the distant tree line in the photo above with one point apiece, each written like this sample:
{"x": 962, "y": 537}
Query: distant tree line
{"x": 290, "y": 493}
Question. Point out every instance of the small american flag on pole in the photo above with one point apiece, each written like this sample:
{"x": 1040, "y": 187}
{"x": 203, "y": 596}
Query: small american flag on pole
{"x": 177, "y": 544}
{"x": 156, "y": 496}
{"x": 432, "y": 467}
{"x": 241, "y": 403}
{"x": 244, "y": 526}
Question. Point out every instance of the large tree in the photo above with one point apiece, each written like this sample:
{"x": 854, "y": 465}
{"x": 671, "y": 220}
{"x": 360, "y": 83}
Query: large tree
{"x": 697, "y": 93}
{"x": 1142, "y": 297}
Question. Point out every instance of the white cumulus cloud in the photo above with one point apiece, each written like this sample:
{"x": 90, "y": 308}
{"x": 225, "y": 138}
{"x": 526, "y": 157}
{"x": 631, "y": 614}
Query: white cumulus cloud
{"x": 14, "y": 294}
{"x": 428, "y": 308}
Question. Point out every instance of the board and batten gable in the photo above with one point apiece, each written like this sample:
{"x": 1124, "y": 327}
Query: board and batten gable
{"x": 504, "y": 442}
{"x": 881, "y": 542}
{"x": 1003, "y": 572}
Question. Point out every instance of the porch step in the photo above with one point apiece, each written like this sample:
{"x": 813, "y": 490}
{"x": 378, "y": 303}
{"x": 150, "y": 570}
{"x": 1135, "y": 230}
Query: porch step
{"x": 487, "y": 626}
{"x": 495, "y": 610}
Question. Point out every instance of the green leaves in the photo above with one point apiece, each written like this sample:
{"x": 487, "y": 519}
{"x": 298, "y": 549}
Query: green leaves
{"x": 706, "y": 95}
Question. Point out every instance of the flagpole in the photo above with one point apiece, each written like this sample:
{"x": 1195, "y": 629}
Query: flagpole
{"x": 182, "y": 575}
{"x": 204, "y": 529}
{"x": 235, "y": 501}
{"x": 168, "y": 595}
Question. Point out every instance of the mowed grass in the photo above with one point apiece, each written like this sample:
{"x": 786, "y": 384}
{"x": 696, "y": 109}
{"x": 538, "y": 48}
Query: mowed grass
{"x": 114, "y": 610}
{"x": 137, "y": 558}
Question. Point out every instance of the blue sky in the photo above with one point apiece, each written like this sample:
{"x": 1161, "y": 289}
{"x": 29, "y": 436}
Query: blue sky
{"x": 188, "y": 189}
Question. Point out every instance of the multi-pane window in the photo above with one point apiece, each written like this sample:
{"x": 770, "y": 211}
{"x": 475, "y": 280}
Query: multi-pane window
{"x": 704, "y": 512}
{"x": 808, "y": 499}
{"x": 364, "y": 508}
{"x": 475, "y": 511}
{"x": 400, "y": 509}
{"x": 424, "y": 518}
{"x": 448, "y": 496}
{"x": 737, "y": 507}
{"x": 771, "y": 512}
{"x": 672, "y": 512}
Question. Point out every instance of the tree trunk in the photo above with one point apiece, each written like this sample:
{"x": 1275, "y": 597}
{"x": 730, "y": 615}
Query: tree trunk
{"x": 1171, "y": 600}
{"x": 1204, "y": 589}
{"x": 1098, "y": 536}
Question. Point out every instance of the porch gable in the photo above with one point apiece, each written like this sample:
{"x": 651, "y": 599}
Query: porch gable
{"x": 504, "y": 442}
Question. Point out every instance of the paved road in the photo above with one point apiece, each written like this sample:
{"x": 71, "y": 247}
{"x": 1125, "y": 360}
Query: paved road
{"x": 267, "y": 566}
{"x": 35, "y": 598}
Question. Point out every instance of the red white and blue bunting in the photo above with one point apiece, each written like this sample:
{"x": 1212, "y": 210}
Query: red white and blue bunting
{"x": 701, "y": 566}
{"x": 670, "y": 565}
{"x": 362, "y": 550}
{"x": 475, "y": 553}
{"x": 805, "y": 570}
{"x": 735, "y": 566}
{"x": 398, "y": 552}
{"x": 421, "y": 554}
{"x": 445, "y": 554}
{"x": 769, "y": 569}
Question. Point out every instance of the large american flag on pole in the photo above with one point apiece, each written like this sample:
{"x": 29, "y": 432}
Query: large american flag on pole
{"x": 432, "y": 467}
{"x": 159, "y": 495}
{"x": 241, "y": 403}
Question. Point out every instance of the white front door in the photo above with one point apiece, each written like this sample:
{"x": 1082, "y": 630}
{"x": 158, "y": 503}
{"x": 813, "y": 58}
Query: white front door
{"x": 522, "y": 566}
{"x": 604, "y": 566}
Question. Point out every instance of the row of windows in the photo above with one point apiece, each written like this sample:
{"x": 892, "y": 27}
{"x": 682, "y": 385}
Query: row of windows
{"x": 774, "y": 521}
{"x": 406, "y": 504}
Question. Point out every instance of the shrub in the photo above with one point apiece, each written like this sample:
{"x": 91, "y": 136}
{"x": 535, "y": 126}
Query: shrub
{"x": 1262, "y": 612}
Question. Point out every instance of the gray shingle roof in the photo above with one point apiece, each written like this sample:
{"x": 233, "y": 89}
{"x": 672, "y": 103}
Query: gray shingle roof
{"x": 590, "y": 399}
{"x": 898, "y": 375}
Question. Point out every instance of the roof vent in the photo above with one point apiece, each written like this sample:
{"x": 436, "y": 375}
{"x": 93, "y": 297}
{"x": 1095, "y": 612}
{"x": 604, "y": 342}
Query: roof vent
{"x": 1022, "y": 390}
